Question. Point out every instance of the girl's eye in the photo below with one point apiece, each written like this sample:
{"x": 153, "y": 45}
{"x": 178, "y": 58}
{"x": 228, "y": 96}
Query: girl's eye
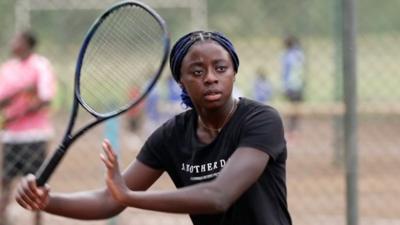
{"x": 221, "y": 68}
{"x": 197, "y": 72}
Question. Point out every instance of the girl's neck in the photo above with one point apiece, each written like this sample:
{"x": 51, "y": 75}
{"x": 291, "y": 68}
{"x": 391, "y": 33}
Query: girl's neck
{"x": 216, "y": 120}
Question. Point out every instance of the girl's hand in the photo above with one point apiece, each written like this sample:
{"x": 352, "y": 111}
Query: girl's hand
{"x": 115, "y": 183}
{"x": 31, "y": 196}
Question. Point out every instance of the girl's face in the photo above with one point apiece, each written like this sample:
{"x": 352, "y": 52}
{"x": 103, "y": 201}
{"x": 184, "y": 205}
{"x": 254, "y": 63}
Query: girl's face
{"x": 207, "y": 74}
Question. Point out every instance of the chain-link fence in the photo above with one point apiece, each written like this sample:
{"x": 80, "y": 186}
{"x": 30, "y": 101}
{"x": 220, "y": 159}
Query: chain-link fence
{"x": 316, "y": 169}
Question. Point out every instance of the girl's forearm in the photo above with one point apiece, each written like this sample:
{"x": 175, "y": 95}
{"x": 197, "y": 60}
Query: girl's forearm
{"x": 198, "y": 199}
{"x": 91, "y": 205}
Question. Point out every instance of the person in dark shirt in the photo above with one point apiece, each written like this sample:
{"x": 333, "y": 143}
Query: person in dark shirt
{"x": 226, "y": 156}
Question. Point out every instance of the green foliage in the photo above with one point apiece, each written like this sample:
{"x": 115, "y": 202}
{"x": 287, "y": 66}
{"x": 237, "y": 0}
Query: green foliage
{"x": 6, "y": 25}
{"x": 257, "y": 28}
{"x": 304, "y": 17}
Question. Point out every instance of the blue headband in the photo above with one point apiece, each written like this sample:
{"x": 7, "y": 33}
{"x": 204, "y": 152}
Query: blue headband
{"x": 183, "y": 45}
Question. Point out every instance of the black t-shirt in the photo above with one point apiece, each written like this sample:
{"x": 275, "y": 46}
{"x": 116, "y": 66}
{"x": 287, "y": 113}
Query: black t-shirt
{"x": 175, "y": 148}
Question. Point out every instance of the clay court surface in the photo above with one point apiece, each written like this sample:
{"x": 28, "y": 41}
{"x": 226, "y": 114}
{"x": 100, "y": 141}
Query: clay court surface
{"x": 316, "y": 181}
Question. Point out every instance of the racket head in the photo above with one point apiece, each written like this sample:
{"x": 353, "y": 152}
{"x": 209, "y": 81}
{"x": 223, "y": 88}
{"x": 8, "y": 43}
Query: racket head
{"x": 121, "y": 59}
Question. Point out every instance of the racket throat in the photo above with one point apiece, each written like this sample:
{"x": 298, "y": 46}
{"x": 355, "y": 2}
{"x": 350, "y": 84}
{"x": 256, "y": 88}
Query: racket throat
{"x": 47, "y": 167}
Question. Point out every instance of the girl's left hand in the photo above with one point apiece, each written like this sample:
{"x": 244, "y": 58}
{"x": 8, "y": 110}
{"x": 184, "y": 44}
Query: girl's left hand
{"x": 115, "y": 183}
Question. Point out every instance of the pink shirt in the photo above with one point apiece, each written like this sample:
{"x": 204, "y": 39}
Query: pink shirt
{"x": 36, "y": 73}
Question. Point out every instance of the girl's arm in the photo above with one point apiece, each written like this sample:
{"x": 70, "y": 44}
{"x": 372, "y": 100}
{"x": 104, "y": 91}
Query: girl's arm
{"x": 88, "y": 205}
{"x": 242, "y": 170}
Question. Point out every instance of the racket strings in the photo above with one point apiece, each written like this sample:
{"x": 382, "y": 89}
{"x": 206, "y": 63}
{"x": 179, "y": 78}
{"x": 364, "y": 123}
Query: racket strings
{"x": 143, "y": 70}
{"x": 107, "y": 86}
{"x": 98, "y": 45}
{"x": 122, "y": 58}
{"x": 142, "y": 49}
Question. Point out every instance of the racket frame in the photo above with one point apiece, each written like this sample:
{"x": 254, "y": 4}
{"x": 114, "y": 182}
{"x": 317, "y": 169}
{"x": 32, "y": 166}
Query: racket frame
{"x": 50, "y": 164}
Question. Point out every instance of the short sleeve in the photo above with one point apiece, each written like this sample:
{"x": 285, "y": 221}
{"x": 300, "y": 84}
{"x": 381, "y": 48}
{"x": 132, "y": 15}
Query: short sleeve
{"x": 152, "y": 153}
{"x": 263, "y": 130}
{"x": 46, "y": 84}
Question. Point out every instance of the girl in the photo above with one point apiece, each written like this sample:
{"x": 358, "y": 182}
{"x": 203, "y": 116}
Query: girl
{"x": 226, "y": 156}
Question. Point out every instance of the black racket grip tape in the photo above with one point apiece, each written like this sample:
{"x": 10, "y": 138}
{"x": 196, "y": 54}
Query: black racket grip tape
{"x": 47, "y": 168}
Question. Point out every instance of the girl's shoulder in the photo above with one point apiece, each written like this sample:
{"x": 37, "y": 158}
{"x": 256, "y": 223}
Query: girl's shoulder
{"x": 178, "y": 122}
{"x": 248, "y": 105}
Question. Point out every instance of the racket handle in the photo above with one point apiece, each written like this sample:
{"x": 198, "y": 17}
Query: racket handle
{"x": 47, "y": 168}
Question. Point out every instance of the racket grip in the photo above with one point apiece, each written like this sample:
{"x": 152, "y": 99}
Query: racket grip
{"x": 47, "y": 168}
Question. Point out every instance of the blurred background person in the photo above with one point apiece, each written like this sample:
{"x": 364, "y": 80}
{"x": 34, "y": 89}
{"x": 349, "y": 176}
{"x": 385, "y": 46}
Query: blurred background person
{"x": 262, "y": 87}
{"x": 174, "y": 91}
{"x": 27, "y": 86}
{"x": 173, "y": 105}
{"x": 152, "y": 110}
{"x": 135, "y": 114}
{"x": 293, "y": 80}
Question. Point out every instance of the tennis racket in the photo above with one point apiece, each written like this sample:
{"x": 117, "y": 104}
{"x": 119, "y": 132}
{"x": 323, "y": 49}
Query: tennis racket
{"x": 126, "y": 48}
